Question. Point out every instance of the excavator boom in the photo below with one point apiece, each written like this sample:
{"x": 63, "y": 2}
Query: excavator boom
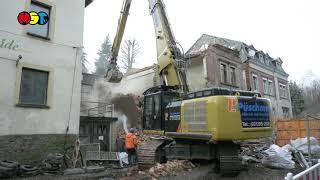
{"x": 171, "y": 62}
{"x": 113, "y": 73}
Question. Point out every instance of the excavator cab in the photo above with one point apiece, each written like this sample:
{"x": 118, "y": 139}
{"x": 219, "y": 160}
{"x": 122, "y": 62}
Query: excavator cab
{"x": 154, "y": 113}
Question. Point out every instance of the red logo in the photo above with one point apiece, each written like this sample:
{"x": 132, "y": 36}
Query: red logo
{"x": 24, "y": 18}
{"x": 231, "y": 105}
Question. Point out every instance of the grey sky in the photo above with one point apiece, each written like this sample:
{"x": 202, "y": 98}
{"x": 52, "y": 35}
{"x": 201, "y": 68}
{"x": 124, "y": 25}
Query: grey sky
{"x": 289, "y": 29}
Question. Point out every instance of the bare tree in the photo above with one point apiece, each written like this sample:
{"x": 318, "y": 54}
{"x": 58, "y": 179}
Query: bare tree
{"x": 312, "y": 97}
{"x": 129, "y": 52}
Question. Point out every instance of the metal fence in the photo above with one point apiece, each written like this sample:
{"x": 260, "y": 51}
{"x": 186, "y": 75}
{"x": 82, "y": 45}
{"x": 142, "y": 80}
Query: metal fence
{"x": 312, "y": 173}
{"x": 92, "y": 152}
{"x": 97, "y": 109}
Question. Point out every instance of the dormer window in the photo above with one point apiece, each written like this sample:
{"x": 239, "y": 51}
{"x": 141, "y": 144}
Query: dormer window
{"x": 251, "y": 52}
{"x": 267, "y": 61}
{"x": 261, "y": 58}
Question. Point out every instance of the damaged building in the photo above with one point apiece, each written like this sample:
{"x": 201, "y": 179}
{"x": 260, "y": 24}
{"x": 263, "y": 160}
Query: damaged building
{"x": 107, "y": 111}
{"x": 234, "y": 64}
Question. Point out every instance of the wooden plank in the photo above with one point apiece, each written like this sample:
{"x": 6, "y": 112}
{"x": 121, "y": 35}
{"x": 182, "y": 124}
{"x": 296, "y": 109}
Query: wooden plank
{"x": 296, "y": 128}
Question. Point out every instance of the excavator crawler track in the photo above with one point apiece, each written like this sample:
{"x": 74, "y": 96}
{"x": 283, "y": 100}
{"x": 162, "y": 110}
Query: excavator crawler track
{"x": 229, "y": 163}
{"x": 147, "y": 153}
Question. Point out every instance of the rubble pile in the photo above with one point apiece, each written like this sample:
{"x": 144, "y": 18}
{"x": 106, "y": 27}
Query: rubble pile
{"x": 171, "y": 168}
{"x": 274, "y": 156}
{"x": 52, "y": 164}
{"x": 301, "y": 144}
{"x": 252, "y": 151}
{"x": 278, "y": 157}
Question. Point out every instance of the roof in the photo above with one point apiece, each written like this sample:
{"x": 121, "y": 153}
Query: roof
{"x": 206, "y": 40}
{"x": 246, "y": 52}
{"x": 134, "y": 70}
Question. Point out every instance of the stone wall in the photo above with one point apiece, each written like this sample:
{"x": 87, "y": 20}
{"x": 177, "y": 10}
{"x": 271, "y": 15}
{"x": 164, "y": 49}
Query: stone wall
{"x": 32, "y": 149}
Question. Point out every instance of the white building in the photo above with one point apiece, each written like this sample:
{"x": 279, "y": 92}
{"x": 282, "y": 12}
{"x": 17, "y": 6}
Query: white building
{"x": 40, "y": 75}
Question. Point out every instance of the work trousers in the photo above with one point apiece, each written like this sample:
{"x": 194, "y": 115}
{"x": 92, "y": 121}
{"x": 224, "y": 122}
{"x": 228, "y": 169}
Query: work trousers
{"x": 132, "y": 156}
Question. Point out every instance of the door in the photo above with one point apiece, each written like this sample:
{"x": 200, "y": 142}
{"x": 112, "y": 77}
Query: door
{"x": 152, "y": 112}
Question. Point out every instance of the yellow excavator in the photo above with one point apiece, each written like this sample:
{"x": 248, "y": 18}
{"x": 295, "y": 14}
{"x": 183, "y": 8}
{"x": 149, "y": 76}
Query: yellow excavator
{"x": 191, "y": 125}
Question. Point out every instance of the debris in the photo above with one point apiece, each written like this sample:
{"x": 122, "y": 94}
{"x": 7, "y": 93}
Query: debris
{"x": 301, "y": 144}
{"x": 278, "y": 158}
{"x": 73, "y": 171}
{"x": 246, "y": 158}
{"x": 300, "y": 159}
{"x": 252, "y": 150}
{"x": 123, "y": 156}
{"x": 171, "y": 168}
{"x": 94, "y": 169}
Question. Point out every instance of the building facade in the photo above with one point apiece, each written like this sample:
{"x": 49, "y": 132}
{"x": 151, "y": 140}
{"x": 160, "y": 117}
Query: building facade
{"x": 234, "y": 64}
{"x": 40, "y": 75}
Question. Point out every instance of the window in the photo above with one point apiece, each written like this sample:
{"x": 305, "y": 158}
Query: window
{"x": 39, "y": 30}
{"x": 233, "y": 75}
{"x": 283, "y": 90}
{"x": 270, "y": 87}
{"x": 261, "y": 58}
{"x": 265, "y": 86}
{"x": 223, "y": 72}
{"x": 254, "y": 82}
{"x": 267, "y": 61}
{"x": 285, "y": 112}
{"x": 34, "y": 87}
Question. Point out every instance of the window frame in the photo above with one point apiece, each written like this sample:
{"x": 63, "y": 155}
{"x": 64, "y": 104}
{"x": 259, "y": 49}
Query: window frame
{"x": 224, "y": 72}
{"x": 270, "y": 87}
{"x": 51, "y": 9}
{"x": 234, "y": 75}
{"x": 256, "y": 83}
{"x": 265, "y": 85}
{"x": 283, "y": 92}
{"x": 48, "y": 103}
{"x": 286, "y": 114}
{"x": 44, "y": 101}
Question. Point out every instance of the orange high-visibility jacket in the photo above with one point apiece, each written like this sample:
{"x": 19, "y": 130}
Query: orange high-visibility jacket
{"x": 131, "y": 141}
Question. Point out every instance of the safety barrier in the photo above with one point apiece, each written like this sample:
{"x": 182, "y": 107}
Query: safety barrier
{"x": 312, "y": 173}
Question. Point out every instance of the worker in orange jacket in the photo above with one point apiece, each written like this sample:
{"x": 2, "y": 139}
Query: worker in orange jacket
{"x": 131, "y": 145}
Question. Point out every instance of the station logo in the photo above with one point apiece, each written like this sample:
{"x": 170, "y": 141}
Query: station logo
{"x": 232, "y": 105}
{"x": 33, "y": 18}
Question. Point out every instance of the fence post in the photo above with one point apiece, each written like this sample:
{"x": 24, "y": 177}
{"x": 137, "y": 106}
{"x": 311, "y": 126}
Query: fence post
{"x": 289, "y": 176}
{"x": 308, "y": 139}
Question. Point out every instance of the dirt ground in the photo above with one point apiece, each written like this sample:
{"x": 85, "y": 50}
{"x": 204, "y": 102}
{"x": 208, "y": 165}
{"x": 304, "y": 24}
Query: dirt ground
{"x": 201, "y": 172}
{"x": 205, "y": 172}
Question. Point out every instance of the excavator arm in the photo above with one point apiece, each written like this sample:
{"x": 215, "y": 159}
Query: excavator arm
{"x": 171, "y": 61}
{"x": 113, "y": 73}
